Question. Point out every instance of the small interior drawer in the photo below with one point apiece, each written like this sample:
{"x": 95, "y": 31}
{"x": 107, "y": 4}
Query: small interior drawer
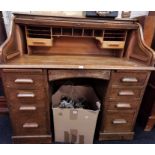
{"x": 129, "y": 78}
{"x": 113, "y": 44}
{"x": 118, "y": 121}
{"x": 39, "y": 42}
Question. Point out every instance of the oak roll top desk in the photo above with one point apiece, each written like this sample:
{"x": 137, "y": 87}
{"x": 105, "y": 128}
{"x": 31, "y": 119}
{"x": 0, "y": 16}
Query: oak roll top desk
{"x": 43, "y": 51}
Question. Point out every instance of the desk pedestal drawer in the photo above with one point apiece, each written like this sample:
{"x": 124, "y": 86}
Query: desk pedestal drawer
{"x": 118, "y": 121}
{"x": 23, "y": 79}
{"x": 125, "y": 93}
{"x": 121, "y": 105}
{"x": 26, "y": 96}
{"x": 129, "y": 78}
{"x": 29, "y": 122}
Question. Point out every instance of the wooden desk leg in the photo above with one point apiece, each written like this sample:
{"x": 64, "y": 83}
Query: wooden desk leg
{"x": 150, "y": 123}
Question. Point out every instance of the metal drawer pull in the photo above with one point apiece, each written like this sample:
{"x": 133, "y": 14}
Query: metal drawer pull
{"x": 123, "y": 105}
{"x": 39, "y": 43}
{"x": 119, "y": 121}
{"x": 27, "y": 108}
{"x": 129, "y": 79}
{"x": 20, "y": 95}
{"x": 30, "y": 125}
{"x": 113, "y": 45}
{"x": 124, "y": 93}
{"x": 23, "y": 81}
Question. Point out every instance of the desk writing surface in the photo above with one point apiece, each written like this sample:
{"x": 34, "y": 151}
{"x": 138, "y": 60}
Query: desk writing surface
{"x": 73, "y": 62}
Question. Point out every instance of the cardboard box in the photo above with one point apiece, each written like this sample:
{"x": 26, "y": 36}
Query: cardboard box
{"x": 75, "y": 125}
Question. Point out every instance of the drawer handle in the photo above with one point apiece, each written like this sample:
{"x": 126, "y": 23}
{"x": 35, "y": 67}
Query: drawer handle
{"x": 128, "y": 79}
{"x": 23, "y": 81}
{"x": 77, "y": 24}
{"x": 27, "y": 108}
{"x": 124, "y": 93}
{"x": 39, "y": 43}
{"x": 123, "y": 105}
{"x": 113, "y": 45}
{"x": 20, "y": 95}
{"x": 30, "y": 125}
{"x": 119, "y": 121}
